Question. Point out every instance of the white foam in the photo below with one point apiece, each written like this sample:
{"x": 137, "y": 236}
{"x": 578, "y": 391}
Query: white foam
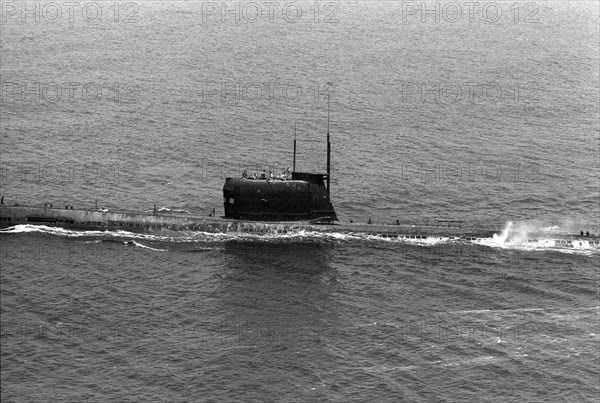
{"x": 506, "y": 239}
{"x": 500, "y": 239}
{"x": 147, "y": 247}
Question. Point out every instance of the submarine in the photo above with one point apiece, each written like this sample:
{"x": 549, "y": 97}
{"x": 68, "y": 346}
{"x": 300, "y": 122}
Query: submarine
{"x": 266, "y": 204}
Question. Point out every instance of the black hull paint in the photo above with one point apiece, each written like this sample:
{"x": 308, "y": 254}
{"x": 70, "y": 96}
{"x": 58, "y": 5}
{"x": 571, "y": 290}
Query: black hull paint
{"x": 162, "y": 223}
{"x": 148, "y": 222}
{"x": 303, "y": 197}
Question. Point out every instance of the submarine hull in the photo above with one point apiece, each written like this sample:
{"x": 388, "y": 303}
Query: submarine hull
{"x": 149, "y": 222}
{"x": 91, "y": 220}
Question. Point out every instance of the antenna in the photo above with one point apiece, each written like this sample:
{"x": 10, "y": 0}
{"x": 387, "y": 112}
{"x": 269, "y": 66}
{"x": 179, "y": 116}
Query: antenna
{"x": 294, "y": 170}
{"x": 328, "y": 148}
{"x": 328, "y": 98}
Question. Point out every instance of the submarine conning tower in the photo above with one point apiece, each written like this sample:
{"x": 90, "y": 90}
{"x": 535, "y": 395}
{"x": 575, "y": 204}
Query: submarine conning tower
{"x": 299, "y": 196}
{"x": 303, "y": 197}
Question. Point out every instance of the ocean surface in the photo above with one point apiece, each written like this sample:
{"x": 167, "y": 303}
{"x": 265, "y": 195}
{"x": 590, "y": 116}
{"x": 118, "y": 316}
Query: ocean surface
{"x": 437, "y": 111}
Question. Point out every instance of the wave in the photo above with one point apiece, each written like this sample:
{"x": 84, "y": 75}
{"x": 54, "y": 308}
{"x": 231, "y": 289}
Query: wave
{"x": 536, "y": 235}
{"x": 524, "y": 230}
{"x": 511, "y": 237}
{"x": 139, "y": 245}
{"x": 133, "y": 243}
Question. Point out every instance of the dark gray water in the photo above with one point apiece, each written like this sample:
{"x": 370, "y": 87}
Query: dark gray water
{"x": 481, "y": 121}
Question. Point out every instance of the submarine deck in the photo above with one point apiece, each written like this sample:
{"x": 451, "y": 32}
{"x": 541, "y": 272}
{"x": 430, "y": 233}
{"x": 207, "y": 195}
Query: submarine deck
{"x": 148, "y": 222}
